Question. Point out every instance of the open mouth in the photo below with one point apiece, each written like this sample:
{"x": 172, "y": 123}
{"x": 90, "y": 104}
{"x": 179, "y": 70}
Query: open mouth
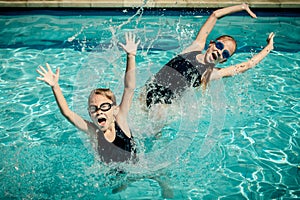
{"x": 215, "y": 56}
{"x": 102, "y": 121}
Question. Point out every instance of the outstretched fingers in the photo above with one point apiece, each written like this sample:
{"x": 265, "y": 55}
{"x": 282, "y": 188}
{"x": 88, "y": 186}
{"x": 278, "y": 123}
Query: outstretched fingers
{"x": 57, "y": 72}
{"x": 47, "y": 75}
{"x": 41, "y": 71}
{"x": 252, "y": 14}
{"x": 131, "y": 46}
{"x": 270, "y": 40}
{"x": 122, "y": 45}
{"x": 246, "y": 7}
{"x": 126, "y": 37}
{"x": 48, "y": 67}
{"x": 138, "y": 42}
{"x": 131, "y": 37}
{"x": 40, "y": 78}
{"x": 271, "y": 37}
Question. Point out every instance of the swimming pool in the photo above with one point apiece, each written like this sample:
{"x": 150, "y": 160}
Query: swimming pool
{"x": 250, "y": 122}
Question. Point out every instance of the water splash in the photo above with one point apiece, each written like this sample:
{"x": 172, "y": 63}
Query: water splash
{"x": 218, "y": 102}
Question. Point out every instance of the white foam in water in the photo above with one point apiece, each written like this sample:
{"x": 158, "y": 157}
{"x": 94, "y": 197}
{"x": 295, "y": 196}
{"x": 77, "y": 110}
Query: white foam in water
{"x": 217, "y": 117}
{"x": 70, "y": 39}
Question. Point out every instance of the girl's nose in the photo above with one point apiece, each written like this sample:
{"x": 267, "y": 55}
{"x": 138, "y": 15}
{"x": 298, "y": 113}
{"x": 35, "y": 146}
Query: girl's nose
{"x": 98, "y": 112}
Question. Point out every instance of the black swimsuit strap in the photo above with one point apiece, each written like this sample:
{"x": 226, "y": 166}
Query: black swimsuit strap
{"x": 122, "y": 140}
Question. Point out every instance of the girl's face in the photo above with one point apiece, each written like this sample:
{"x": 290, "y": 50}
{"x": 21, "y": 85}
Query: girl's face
{"x": 219, "y": 51}
{"x": 102, "y": 111}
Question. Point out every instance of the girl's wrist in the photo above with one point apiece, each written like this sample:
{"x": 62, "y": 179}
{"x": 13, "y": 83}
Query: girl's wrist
{"x": 131, "y": 54}
{"x": 54, "y": 86}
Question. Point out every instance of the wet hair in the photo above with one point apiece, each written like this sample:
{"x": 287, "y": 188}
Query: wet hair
{"x": 205, "y": 77}
{"x": 228, "y": 38}
{"x": 104, "y": 92}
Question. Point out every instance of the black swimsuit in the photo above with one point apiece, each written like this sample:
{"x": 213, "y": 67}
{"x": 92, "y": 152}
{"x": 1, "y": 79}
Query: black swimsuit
{"x": 174, "y": 78}
{"x": 120, "y": 150}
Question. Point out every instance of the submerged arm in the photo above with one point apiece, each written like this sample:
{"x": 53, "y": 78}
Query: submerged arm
{"x": 242, "y": 67}
{"x": 52, "y": 80}
{"x": 199, "y": 42}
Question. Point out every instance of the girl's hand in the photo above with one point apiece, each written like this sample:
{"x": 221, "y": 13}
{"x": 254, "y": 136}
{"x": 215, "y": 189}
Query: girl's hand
{"x": 130, "y": 47}
{"x": 270, "y": 40}
{"x": 48, "y": 76}
{"x": 246, "y": 7}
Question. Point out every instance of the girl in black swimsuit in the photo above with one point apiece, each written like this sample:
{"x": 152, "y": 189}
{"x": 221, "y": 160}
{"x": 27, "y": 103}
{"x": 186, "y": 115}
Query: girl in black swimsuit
{"x": 195, "y": 67}
{"x": 109, "y": 127}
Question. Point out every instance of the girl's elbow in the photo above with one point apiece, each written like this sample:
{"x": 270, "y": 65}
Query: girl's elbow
{"x": 67, "y": 113}
{"x": 216, "y": 14}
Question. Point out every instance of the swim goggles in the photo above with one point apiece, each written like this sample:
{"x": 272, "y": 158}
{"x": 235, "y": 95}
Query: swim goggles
{"x": 220, "y": 46}
{"x": 103, "y": 107}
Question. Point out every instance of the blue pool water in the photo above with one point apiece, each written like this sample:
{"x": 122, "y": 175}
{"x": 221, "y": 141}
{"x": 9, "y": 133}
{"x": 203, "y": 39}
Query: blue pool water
{"x": 240, "y": 140}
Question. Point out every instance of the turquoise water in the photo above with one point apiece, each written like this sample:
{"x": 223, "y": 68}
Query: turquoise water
{"x": 240, "y": 140}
